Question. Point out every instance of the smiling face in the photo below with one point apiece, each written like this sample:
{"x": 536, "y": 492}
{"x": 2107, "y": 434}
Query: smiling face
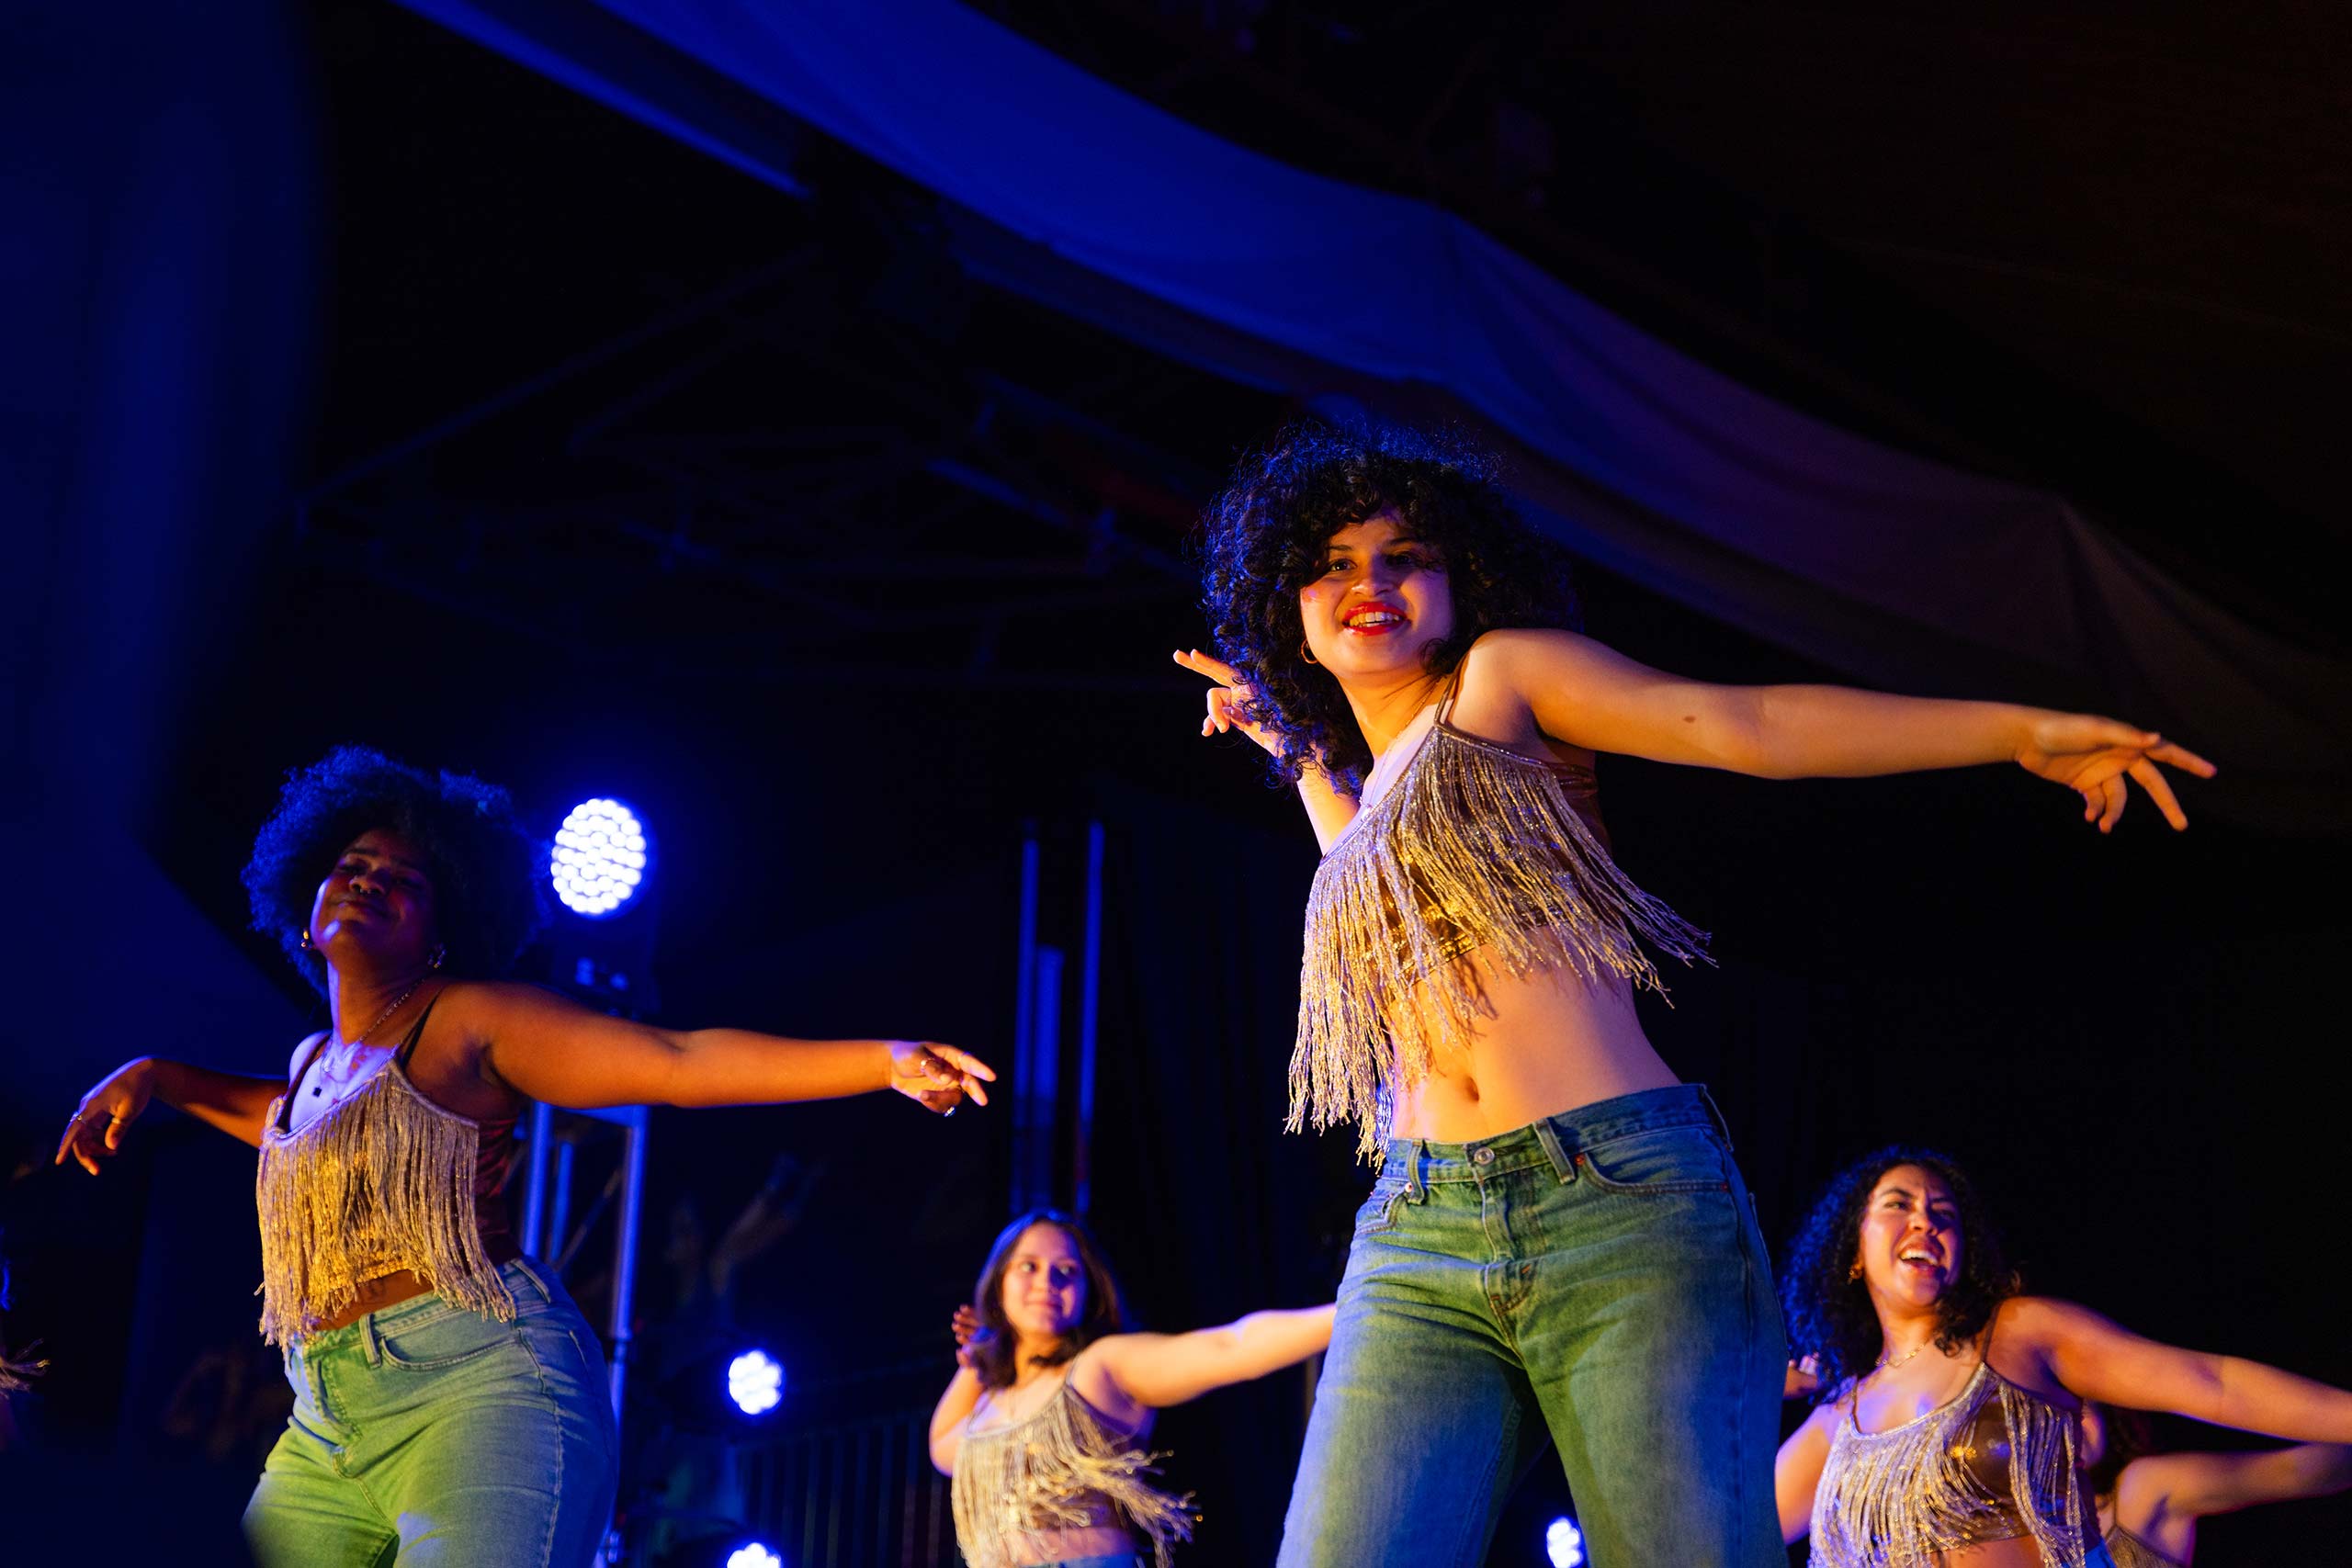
{"x": 1910, "y": 1238}
{"x": 1045, "y": 1284}
{"x": 1381, "y": 601}
{"x": 376, "y": 904}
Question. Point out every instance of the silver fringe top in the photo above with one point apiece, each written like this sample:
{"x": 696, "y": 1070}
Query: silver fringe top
{"x": 1992, "y": 1464}
{"x": 1472, "y": 846}
{"x": 1061, "y": 1468}
{"x": 379, "y": 1183}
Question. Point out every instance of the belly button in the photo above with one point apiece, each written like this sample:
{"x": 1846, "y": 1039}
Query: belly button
{"x": 1470, "y": 1090}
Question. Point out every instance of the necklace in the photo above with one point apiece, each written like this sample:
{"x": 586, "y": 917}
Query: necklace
{"x": 361, "y": 1038}
{"x": 1885, "y": 1365}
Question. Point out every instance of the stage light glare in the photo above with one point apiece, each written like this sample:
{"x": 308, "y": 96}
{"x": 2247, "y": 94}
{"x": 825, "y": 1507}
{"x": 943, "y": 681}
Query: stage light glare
{"x": 602, "y": 856}
{"x": 753, "y": 1555}
{"x": 1563, "y": 1543}
{"x": 756, "y": 1383}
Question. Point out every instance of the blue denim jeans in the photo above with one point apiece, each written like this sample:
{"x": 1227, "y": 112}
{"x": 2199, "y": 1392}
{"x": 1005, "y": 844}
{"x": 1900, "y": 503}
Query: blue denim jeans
{"x": 427, "y": 1434}
{"x": 1596, "y": 1278}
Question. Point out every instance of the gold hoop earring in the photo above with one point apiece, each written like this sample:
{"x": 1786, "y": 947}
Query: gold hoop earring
{"x": 1856, "y": 1272}
{"x": 1307, "y": 653}
{"x": 306, "y": 939}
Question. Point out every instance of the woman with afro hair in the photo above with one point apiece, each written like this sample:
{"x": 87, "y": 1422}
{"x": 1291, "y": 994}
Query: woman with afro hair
{"x": 1558, "y": 1242}
{"x": 449, "y": 1398}
{"x": 1951, "y": 1429}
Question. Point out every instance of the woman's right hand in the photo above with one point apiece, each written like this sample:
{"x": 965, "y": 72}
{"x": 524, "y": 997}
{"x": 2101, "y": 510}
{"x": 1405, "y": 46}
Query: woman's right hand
{"x": 1227, "y": 695}
{"x": 95, "y": 1130}
{"x": 969, "y": 1336}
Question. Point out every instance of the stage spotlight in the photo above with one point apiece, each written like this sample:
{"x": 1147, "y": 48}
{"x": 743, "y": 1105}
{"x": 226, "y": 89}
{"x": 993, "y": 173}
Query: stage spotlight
{"x": 603, "y": 855}
{"x": 753, "y": 1555}
{"x": 756, "y": 1383}
{"x": 1563, "y": 1543}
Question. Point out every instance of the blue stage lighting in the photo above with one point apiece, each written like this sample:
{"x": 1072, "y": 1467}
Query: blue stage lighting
{"x": 753, "y": 1555}
{"x": 603, "y": 855}
{"x": 1563, "y": 1543}
{"x": 756, "y": 1383}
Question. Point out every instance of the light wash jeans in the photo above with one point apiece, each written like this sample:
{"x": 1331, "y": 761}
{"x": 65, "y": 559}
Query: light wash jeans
{"x": 1596, "y": 1278}
{"x": 426, "y": 1434}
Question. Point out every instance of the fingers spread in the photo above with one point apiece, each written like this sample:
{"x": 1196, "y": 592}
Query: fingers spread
{"x": 2112, "y": 794}
{"x": 2151, "y": 779}
{"x": 967, "y": 1061}
{"x": 2181, "y": 757}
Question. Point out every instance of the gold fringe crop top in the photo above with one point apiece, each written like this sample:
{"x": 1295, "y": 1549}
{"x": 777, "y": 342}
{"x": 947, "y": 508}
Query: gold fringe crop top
{"x": 384, "y": 1182}
{"x": 1471, "y": 846}
{"x": 1993, "y": 1463}
{"x": 2130, "y": 1551}
{"x": 1063, "y": 1467}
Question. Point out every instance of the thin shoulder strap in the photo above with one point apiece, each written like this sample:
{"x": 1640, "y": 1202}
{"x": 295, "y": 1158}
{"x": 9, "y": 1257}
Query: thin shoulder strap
{"x": 1452, "y": 689}
{"x": 318, "y": 1043}
{"x": 416, "y": 1031}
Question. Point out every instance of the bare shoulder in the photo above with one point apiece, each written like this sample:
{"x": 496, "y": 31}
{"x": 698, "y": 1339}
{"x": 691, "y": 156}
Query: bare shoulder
{"x": 1504, "y": 670}
{"x": 1094, "y": 1373}
{"x": 302, "y": 1049}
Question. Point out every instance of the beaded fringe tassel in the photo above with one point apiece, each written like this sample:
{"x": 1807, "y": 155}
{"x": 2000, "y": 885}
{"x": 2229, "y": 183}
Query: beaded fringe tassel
{"x": 1052, "y": 1471}
{"x": 1485, "y": 840}
{"x": 1903, "y": 1498}
{"x": 382, "y": 1182}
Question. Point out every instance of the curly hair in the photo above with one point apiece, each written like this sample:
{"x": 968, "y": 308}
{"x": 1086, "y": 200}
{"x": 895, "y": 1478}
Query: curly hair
{"x": 485, "y": 866}
{"x": 2130, "y": 1436}
{"x": 993, "y": 1352}
{"x": 1828, "y": 1310}
{"x": 1267, "y": 537}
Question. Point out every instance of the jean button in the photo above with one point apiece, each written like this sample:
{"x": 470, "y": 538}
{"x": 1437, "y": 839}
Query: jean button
{"x": 1485, "y": 1157}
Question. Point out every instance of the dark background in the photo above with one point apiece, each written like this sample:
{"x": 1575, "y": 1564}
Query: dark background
{"x": 534, "y": 445}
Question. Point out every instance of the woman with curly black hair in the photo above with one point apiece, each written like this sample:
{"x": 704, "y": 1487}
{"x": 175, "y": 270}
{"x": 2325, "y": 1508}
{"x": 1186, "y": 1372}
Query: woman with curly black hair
{"x": 1559, "y": 1240}
{"x": 448, "y": 1395}
{"x": 1044, "y": 1424}
{"x": 1971, "y": 1457}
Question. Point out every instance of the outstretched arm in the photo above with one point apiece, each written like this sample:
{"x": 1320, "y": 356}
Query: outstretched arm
{"x": 2160, "y": 1498}
{"x": 1151, "y": 1370}
{"x": 1328, "y": 809}
{"x": 1588, "y": 695}
{"x": 234, "y": 1102}
{"x": 553, "y": 1049}
{"x": 2094, "y": 1357}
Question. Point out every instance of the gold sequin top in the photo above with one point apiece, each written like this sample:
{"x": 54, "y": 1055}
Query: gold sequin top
{"x": 385, "y": 1181}
{"x": 1993, "y": 1463}
{"x": 2130, "y": 1551}
{"x": 1062, "y": 1467}
{"x": 1465, "y": 846}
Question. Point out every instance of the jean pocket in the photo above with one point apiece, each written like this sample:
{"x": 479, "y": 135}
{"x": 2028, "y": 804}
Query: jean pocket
{"x": 446, "y": 1339}
{"x": 1380, "y": 1210}
{"x": 1668, "y": 1159}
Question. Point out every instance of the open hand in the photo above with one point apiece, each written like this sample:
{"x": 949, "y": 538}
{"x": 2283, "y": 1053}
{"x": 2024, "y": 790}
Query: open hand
{"x": 1802, "y": 1380}
{"x": 2093, "y": 756}
{"x": 1225, "y": 698}
{"x": 938, "y": 1078}
{"x": 95, "y": 1130}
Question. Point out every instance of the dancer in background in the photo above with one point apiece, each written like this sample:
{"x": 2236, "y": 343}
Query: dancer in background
{"x": 1559, "y": 1240}
{"x": 1044, "y": 1426}
{"x": 2149, "y": 1503}
{"x": 448, "y": 1394}
{"x": 1950, "y": 1436}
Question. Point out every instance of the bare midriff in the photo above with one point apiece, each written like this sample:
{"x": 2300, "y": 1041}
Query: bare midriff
{"x": 375, "y": 1295}
{"x": 1546, "y": 1044}
{"x": 2019, "y": 1551}
{"x": 1061, "y": 1546}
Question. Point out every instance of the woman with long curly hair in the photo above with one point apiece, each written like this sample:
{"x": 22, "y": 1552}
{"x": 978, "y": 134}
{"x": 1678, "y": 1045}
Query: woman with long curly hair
{"x": 1948, "y": 1433}
{"x": 1558, "y": 1241}
{"x": 449, "y": 1397}
{"x": 1044, "y": 1425}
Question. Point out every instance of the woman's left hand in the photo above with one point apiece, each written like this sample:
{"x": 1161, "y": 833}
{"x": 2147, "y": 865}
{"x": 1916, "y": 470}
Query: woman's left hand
{"x": 938, "y": 1078}
{"x": 2092, "y": 756}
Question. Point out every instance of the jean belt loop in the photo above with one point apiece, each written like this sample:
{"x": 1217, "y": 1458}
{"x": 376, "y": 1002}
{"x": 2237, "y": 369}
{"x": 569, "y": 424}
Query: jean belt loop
{"x": 1417, "y": 1187}
{"x": 371, "y": 1344}
{"x": 531, "y": 1272}
{"x": 1563, "y": 1164}
{"x": 1715, "y": 1111}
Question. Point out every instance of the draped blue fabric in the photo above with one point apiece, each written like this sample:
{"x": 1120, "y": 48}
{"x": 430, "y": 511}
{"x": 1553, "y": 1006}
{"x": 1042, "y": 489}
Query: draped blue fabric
{"x": 1896, "y": 568}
